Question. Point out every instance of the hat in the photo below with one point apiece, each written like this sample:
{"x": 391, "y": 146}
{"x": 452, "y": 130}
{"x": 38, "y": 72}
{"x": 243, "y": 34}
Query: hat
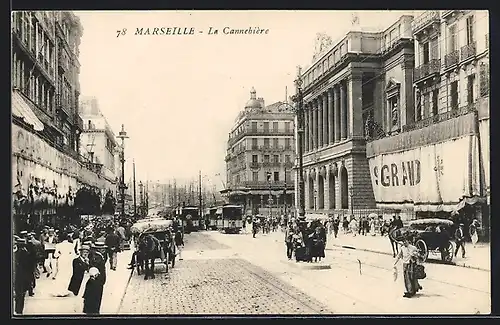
{"x": 87, "y": 243}
{"x": 93, "y": 271}
{"x": 51, "y": 229}
{"x": 24, "y": 232}
{"x": 21, "y": 241}
{"x": 461, "y": 224}
{"x": 85, "y": 248}
{"x": 32, "y": 233}
{"x": 99, "y": 244}
{"x": 45, "y": 227}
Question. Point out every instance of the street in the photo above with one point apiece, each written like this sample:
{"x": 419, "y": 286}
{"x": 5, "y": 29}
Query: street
{"x": 238, "y": 274}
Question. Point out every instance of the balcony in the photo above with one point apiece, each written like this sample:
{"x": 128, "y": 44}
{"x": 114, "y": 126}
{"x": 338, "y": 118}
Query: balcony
{"x": 255, "y": 147}
{"x": 451, "y": 59}
{"x": 254, "y": 165}
{"x": 253, "y": 132}
{"x": 468, "y": 51}
{"x": 288, "y": 164}
{"x": 62, "y": 61}
{"x": 271, "y": 164}
{"x": 427, "y": 69}
{"x": 440, "y": 118}
{"x": 425, "y": 20}
{"x": 78, "y": 122}
{"x": 61, "y": 106}
{"x": 264, "y": 184}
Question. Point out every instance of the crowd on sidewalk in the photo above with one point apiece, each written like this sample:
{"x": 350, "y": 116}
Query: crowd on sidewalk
{"x": 74, "y": 259}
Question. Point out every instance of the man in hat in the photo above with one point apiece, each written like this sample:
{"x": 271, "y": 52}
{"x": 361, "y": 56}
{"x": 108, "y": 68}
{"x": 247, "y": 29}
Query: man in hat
{"x": 460, "y": 239}
{"x": 50, "y": 242}
{"x": 112, "y": 241}
{"x": 80, "y": 265}
{"x": 22, "y": 273}
{"x": 97, "y": 258}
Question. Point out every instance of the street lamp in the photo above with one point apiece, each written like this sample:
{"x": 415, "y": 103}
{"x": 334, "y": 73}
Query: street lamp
{"x": 298, "y": 99}
{"x": 351, "y": 195}
{"x": 315, "y": 196}
{"x": 123, "y": 135}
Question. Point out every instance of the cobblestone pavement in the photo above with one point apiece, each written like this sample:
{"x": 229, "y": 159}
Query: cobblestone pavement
{"x": 202, "y": 284}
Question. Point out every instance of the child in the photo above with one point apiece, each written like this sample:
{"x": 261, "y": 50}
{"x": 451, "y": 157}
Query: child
{"x": 93, "y": 289}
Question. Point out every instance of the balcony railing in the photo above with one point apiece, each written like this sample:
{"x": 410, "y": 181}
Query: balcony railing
{"x": 265, "y": 184}
{"x": 425, "y": 20}
{"x": 468, "y": 51}
{"x": 426, "y": 69}
{"x": 440, "y": 117}
{"x": 451, "y": 59}
{"x": 255, "y": 147}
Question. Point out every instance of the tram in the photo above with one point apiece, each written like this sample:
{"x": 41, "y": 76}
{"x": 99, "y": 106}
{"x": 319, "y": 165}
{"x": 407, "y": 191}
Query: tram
{"x": 212, "y": 218}
{"x": 190, "y": 217}
{"x": 229, "y": 218}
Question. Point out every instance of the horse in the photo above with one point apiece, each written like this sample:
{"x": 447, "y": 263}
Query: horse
{"x": 149, "y": 250}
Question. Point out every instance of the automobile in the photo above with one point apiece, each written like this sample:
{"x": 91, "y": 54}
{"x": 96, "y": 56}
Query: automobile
{"x": 430, "y": 236}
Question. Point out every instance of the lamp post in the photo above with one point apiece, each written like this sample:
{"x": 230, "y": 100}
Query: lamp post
{"x": 123, "y": 135}
{"x": 351, "y": 195}
{"x": 315, "y": 196}
{"x": 298, "y": 99}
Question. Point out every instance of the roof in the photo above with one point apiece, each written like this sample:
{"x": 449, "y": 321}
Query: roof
{"x": 22, "y": 109}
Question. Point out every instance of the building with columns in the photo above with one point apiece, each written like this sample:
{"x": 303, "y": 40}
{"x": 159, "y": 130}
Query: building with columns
{"x": 260, "y": 158}
{"x": 437, "y": 164}
{"x": 362, "y": 78}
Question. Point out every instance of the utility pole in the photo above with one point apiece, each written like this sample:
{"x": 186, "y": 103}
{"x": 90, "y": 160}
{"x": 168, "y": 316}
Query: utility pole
{"x": 199, "y": 198}
{"x": 135, "y": 199}
{"x": 123, "y": 135}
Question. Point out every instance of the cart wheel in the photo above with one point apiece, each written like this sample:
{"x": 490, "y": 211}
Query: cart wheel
{"x": 447, "y": 253}
{"x": 422, "y": 248}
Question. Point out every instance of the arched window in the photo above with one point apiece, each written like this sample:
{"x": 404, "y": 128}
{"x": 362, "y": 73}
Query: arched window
{"x": 321, "y": 192}
{"x": 344, "y": 191}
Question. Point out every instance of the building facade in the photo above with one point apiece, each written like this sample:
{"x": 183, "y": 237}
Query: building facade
{"x": 98, "y": 142}
{"x": 260, "y": 158}
{"x": 47, "y": 168}
{"x": 363, "y": 78}
{"x": 438, "y": 163}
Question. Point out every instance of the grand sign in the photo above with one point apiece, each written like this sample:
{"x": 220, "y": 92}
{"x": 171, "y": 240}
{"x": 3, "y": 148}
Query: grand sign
{"x": 434, "y": 175}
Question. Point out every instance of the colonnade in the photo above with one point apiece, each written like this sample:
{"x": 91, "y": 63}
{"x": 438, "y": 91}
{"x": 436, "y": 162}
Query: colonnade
{"x": 326, "y": 187}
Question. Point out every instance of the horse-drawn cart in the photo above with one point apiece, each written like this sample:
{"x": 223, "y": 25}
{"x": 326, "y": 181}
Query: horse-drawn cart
{"x": 154, "y": 240}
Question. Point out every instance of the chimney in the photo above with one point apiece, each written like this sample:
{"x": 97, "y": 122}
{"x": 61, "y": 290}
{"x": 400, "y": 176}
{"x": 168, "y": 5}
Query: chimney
{"x": 261, "y": 100}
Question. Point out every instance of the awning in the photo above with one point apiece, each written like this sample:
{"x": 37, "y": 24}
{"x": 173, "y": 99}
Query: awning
{"x": 21, "y": 108}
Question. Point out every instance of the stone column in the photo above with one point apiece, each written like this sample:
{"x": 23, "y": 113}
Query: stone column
{"x": 343, "y": 111}
{"x": 315, "y": 125}
{"x": 337, "y": 114}
{"x": 327, "y": 187}
{"x": 306, "y": 190}
{"x": 306, "y": 128}
{"x": 320, "y": 121}
{"x": 325, "y": 119}
{"x": 331, "y": 119}
{"x": 317, "y": 188}
{"x": 311, "y": 123}
{"x": 338, "y": 187}
{"x": 355, "y": 121}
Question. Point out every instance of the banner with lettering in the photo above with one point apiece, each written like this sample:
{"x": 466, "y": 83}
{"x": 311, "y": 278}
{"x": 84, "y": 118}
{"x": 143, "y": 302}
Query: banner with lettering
{"x": 432, "y": 178}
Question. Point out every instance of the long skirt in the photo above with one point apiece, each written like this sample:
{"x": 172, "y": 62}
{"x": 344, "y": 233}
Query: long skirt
{"x": 474, "y": 238}
{"x": 411, "y": 282}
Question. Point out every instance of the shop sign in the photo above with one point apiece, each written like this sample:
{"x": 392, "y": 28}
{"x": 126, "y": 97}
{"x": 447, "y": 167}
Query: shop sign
{"x": 441, "y": 173}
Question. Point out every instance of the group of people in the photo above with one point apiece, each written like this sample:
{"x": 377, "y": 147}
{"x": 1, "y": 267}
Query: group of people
{"x": 266, "y": 224}
{"x": 66, "y": 258}
{"x": 305, "y": 240}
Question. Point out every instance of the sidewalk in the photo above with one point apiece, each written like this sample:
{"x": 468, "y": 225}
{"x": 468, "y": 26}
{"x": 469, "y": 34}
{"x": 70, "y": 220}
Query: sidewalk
{"x": 476, "y": 257}
{"x": 43, "y": 303}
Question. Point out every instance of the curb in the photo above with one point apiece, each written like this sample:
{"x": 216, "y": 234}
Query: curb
{"x": 308, "y": 266}
{"x": 389, "y": 254}
{"x": 125, "y": 291}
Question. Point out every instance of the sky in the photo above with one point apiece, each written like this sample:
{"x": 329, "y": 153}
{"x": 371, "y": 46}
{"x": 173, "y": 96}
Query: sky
{"x": 178, "y": 95}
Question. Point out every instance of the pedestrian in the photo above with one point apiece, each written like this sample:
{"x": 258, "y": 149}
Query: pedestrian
{"x": 50, "y": 242}
{"x": 460, "y": 240}
{"x": 409, "y": 255}
{"x": 80, "y": 265}
{"x": 372, "y": 226}
{"x": 353, "y": 225}
{"x": 395, "y": 224}
{"x": 361, "y": 226}
{"x": 254, "y": 227}
{"x": 473, "y": 232}
{"x": 336, "y": 224}
{"x": 22, "y": 273}
{"x": 179, "y": 243}
{"x": 92, "y": 296}
{"x": 64, "y": 256}
{"x": 97, "y": 259}
{"x": 112, "y": 241}
{"x": 345, "y": 225}
{"x": 289, "y": 241}
{"x": 33, "y": 247}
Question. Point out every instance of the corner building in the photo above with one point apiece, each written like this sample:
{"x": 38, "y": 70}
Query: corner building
{"x": 446, "y": 133}
{"x": 346, "y": 89}
{"x": 262, "y": 141}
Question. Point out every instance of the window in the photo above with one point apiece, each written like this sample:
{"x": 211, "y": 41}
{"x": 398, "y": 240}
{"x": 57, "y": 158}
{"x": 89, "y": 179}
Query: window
{"x": 276, "y": 176}
{"x": 266, "y": 158}
{"x": 255, "y": 176}
{"x": 275, "y": 143}
{"x": 434, "y": 49}
{"x": 426, "y": 106}
{"x": 484, "y": 83}
{"x": 255, "y": 159}
{"x": 435, "y": 97}
{"x": 254, "y": 143}
{"x": 394, "y": 111}
{"x": 425, "y": 53}
{"x": 266, "y": 126}
{"x": 275, "y": 126}
{"x": 287, "y": 176}
{"x": 418, "y": 108}
{"x": 470, "y": 30}
{"x": 276, "y": 159}
{"x": 287, "y": 143}
{"x": 287, "y": 126}
{"x": 452, "y": 34}
{"x": 254, "y": 126}
{"x": 287, "y": 158}
{"x": 266, "y": 142}
{"x": 454, "y": 94}
{"x": 470, "y": 89}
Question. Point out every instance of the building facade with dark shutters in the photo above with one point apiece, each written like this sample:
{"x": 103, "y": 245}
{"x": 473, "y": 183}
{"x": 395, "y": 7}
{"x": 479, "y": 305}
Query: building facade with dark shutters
{"x": 354, "y": 90}
{"x": 260, "y": 158}
{"x": 437, "y": 163}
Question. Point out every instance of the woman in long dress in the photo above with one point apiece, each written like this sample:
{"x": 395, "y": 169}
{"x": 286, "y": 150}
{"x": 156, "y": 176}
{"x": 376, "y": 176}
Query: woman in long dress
{"x": 473, "y": 232}
{"x": 65, "y": 254}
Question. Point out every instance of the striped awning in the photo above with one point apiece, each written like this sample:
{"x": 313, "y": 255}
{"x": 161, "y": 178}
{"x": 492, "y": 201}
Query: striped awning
{"x": 21, "y": 108}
